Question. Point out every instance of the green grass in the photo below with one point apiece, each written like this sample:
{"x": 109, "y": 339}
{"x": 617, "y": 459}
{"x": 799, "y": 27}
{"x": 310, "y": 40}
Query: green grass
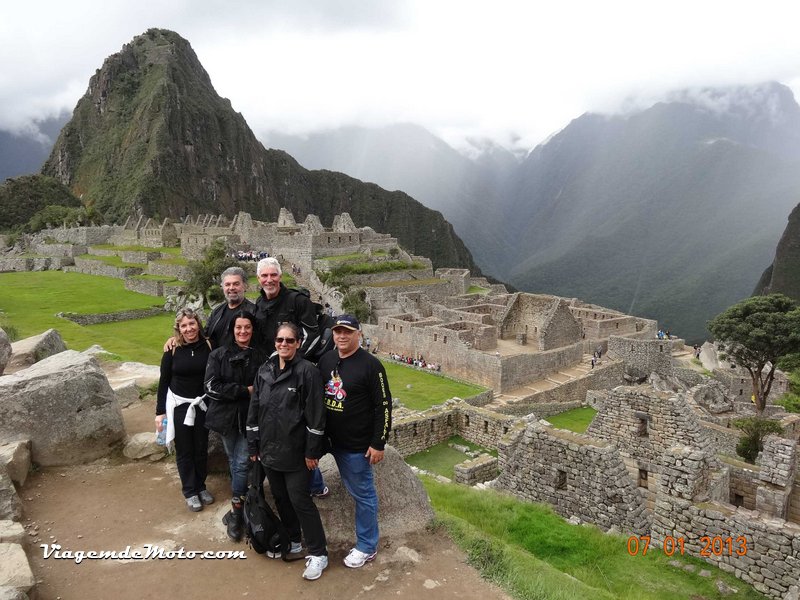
{"x": 30, "y": 302}
{"x": 577, "y": 419}
{"x": 441, "y": 458}
{"x": 533, "y": 553}
{"x": 139, "y": 340}
{"x": 476, "y": 289}
{"x": 418, "y": 390}
{"x": 428, "y": 281}
{"x": 173, "y": 251}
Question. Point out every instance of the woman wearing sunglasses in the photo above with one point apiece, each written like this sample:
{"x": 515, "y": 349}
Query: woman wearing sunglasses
{"x": 285, "y": 430}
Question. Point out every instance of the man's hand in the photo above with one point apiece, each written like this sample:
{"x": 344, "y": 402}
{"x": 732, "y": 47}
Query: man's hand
{"x": 374, "y": 456}
{"x": 312, "y": 463}
{"x": 170, "y": 344}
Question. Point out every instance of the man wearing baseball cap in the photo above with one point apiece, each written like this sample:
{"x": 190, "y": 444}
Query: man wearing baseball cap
{"x": 359, "y": 406}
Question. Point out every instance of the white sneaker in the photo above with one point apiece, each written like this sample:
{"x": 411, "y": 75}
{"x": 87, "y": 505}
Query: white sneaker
{"x": 315, "y": 565}
{"x": 357, "y": 558}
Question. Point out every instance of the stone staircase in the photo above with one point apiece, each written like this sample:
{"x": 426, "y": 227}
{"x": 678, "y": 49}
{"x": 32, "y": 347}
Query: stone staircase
{"x": 523, "y": 400}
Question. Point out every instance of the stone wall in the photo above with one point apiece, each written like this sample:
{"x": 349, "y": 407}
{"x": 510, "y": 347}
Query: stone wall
{"x": 744, "y": 482}
{"x": 43, "y": 263}
{"x": 643, "y": 357}
{"x": 60, "y": 250}
{"x": 643, "y": 424}
{"x": 414, "y": 434}
{"x": 151, "y": 287}
{"x": 724, "y": 439}
{"x": 138, "y": 256}
{"x": 115, "y": 317}
{"x": 576, "y": 475}
{"x": 96, "y": 267}
{"x": 763, "y": 552}
{"x": 477, "y": 470}
{"x": 181, "y": 272}
{"x": 481, "y": 426}
{"x": 85, "y": 236}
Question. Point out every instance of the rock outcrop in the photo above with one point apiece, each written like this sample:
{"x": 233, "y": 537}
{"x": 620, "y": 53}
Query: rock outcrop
{"x": 65, "y": 406}
{"x": 403, "y": 504}
{"x": 31, "y": 350}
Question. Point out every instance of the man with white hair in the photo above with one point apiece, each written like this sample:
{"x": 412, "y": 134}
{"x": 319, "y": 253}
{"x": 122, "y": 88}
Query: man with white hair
{"x": 278, "y": 304}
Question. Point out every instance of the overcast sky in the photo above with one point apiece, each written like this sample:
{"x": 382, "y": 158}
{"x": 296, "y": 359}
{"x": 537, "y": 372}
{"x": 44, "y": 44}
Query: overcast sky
{"x": 512, "y": 71}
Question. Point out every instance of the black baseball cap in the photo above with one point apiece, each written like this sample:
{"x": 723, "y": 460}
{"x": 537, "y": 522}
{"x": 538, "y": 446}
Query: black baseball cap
{"x": 347, "y": 321}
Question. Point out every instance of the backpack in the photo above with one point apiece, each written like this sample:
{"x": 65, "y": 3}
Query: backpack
{"x": 263, "y": 530}
{"x": 324, "y": 340}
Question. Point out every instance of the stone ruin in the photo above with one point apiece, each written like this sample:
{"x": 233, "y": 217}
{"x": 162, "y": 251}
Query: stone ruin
{"x": 657, "y": 459}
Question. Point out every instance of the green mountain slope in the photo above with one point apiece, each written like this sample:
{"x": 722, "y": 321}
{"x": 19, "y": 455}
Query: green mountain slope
{"x": 783, "y": 275}
{"x": 151, "y": 136}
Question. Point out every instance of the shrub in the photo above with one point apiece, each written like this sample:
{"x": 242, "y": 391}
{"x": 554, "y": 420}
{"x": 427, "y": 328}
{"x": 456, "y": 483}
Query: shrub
{"x": 755, "y": 430}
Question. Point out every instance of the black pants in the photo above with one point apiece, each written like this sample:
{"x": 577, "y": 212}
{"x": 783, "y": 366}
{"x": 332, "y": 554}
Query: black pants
{"x": 296, "y": 508}
{"x": 191, "y": 451}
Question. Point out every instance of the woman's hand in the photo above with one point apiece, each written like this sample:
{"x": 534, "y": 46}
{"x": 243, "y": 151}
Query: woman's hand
{"x": 160, "y": 422}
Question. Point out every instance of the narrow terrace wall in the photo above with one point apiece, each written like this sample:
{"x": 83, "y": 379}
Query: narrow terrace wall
{"x": 576, "y": 475}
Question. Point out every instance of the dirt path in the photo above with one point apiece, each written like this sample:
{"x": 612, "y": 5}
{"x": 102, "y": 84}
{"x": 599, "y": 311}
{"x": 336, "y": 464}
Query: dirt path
{"x": 112, "y": 504}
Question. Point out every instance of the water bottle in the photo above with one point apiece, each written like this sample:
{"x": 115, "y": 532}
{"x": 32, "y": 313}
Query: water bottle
{"x": 161, "y": 436}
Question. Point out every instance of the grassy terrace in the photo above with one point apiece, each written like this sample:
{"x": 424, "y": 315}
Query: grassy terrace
{"x": 173, "y": 251}
{"x": 352, "y": 256}
{"x": 476, "y": 289}
{"x": 428, "y": 281}
{"x": 577, "y": 419}
{"x": 30, "y": 301}
{"x": 533, "y": 553}
{"x": 418, "y": 390}
{"x": 441, "y": 459}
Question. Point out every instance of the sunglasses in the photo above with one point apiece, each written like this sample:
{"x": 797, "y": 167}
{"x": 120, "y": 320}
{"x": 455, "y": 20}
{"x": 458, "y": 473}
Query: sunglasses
{"x": 281, "y": 340}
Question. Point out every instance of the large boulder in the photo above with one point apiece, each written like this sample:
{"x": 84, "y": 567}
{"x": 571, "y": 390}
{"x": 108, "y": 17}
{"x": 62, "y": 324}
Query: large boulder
{"x": 33, "y": 349}
{"x": 65, "y": 406}
{"x": 403, "y": 504}
{"x": 5, "y": 350}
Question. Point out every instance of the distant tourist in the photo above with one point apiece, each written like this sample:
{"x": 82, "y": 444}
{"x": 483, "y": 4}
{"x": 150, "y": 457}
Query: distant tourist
{"x": 180, "y": 401}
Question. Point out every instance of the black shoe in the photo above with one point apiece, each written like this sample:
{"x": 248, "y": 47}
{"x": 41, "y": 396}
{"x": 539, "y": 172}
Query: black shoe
{"x": 233, "y": 523}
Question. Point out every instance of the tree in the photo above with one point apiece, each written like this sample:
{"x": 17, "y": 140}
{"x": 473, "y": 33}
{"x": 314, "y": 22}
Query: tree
{"x": 755, "y": 334}
{"x": 755, "y": 430}
{"x": 204, "y": 278}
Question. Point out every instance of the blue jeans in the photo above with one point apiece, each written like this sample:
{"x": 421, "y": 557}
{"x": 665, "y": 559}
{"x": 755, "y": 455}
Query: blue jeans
{"x": 356, "y": 473}
{"x": 316, "y": 485}
{"x": 235, "y": 445}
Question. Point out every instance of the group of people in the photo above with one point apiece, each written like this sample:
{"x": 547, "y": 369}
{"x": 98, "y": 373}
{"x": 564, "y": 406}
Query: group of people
{"x": 663, "y": 335}
{"x": 244, "y": 376}
{"x": 249, "y": 255}
{"x": 419, "y": 361}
